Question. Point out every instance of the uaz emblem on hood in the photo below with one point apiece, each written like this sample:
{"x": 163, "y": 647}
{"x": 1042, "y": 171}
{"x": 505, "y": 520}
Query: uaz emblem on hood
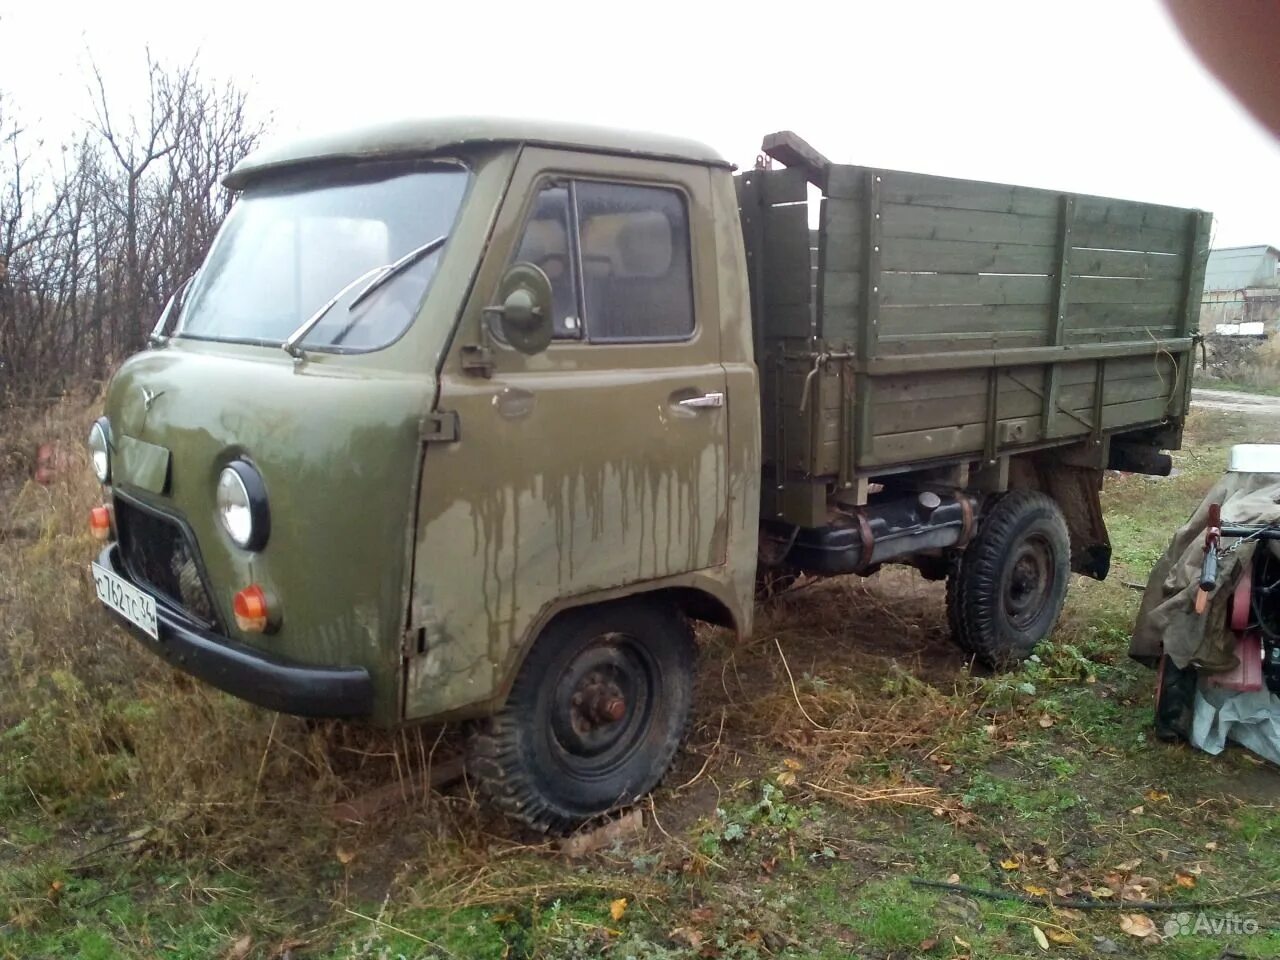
{"x": 149, "y": 397}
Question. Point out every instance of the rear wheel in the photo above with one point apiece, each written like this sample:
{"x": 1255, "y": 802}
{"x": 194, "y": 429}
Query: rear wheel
{"x": 1005, "y": 593}
{"x": 594, "y": 717}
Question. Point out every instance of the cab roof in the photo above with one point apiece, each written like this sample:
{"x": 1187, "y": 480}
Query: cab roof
{"x": 402, "y": 139}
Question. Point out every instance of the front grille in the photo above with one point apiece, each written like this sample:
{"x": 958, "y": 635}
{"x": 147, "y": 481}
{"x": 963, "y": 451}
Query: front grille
{"x": 158, "y": 553}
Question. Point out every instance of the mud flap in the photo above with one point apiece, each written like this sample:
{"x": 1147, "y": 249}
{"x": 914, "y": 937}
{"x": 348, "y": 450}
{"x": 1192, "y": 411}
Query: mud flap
{"x": 1076, "y": 490}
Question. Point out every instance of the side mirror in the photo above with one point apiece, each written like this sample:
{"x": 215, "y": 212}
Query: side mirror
{"x": 523, "y": 315}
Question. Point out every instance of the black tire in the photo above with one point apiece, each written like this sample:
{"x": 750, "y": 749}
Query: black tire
{"x": 594, "y": 718}
{"x": 955, "y": 616}
{"x": 1005, "y": 595}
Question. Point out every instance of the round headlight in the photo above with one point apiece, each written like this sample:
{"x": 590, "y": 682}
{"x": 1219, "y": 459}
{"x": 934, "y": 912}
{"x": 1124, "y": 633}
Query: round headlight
{"x": 100, "y": 450}
{"x": 242, "y": 505}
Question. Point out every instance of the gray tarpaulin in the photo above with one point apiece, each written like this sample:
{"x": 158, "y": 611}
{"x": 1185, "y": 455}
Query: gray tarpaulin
{"x": 1168, "y": 623}
{"x": 1167, "y": 620}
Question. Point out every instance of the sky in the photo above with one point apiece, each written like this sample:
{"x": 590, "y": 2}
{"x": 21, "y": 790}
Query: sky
{"x": 1089, "y": 97}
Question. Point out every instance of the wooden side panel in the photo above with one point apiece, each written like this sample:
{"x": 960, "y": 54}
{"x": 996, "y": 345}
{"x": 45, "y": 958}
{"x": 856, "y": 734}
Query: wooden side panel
{"x": 931, "y": 318}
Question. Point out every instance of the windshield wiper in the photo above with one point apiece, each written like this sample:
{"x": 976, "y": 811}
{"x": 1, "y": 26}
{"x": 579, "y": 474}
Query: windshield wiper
{"x": 376, "y": 278}
{"x": 392, "y": 270}
{"x": 290, "y": 345}
{"x": 160, "y": 333}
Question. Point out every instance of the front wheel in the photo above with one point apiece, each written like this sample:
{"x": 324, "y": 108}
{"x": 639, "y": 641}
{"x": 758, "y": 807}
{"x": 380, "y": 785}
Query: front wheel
{"x": 594, "y": 718}
{"x": 1007, "y": 589}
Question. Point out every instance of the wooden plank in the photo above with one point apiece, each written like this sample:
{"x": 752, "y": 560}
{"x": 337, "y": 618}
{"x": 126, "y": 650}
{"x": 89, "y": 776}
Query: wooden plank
{"x": 1063, "y": 290}
{"x": 941, "y": 223}
{"x": 901, "y": 320}
{"x": 1110, "y": 236}
{"x": 922, "y": 345}
{"x": 952, "y": 288}
{"x": 845, "y": 182}
{"x": 1126, "y": 290}
{"x": 1113, "y": 263}
{"x": 1131, "y": 213}
{"x": 784, "y": 186}
{"x": 796, "y": 153}
{"x": 872, "y": 295}
{"x": 1095, "y": 315}
{"x": 970, "y": 359}
{"x": 1197, "y": 257}
{"x": 787, "y": 321}
{"x": 959, "y": 256}
{"x": 925, "y": 190}
{"x": 842, "y": 225}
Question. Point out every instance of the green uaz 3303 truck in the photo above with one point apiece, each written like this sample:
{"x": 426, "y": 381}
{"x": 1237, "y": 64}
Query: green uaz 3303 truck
{"x": 469, "y": 419}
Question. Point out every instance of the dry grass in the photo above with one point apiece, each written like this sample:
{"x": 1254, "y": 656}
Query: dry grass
{"x": 99, "y": 729}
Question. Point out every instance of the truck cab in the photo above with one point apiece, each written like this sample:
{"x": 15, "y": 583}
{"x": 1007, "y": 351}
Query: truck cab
{"x": 443, "y": 390}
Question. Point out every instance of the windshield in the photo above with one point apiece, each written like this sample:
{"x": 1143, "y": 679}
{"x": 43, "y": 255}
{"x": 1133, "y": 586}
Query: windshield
{"x": 291, "y": 245}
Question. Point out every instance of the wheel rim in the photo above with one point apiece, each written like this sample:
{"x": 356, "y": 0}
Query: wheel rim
{"x": 1028, "y": 581}
{"x": 601, "y": 706}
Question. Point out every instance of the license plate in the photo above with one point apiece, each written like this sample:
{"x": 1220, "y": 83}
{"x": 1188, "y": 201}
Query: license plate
{"x": 127, "y": 600}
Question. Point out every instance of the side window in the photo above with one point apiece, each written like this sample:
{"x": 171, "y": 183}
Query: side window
{"x": 637, "y": 276}
{"x": 620, "y": 268}
{"x": 545, "y": 243}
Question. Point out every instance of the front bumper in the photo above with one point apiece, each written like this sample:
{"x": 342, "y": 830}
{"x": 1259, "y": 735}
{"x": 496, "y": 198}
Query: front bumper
{"x": 248, "y": 673}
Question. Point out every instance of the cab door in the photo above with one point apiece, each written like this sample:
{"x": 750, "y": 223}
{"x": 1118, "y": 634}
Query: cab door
{"x": 596, "y": 465}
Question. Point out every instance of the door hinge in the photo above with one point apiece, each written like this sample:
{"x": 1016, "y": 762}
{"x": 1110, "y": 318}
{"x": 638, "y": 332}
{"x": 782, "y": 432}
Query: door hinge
{"x": 477, "y": 359}
{"x": 440, "y": 427}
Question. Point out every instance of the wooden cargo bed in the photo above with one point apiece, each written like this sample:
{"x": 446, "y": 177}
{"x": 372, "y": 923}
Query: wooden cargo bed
{"x": 929, "y": 320}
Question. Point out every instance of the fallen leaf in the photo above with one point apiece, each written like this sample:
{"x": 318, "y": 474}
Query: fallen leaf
{"x": 953, "y": 878}
{"x": 1103, "y": 892}
{"x": 701, "y": 914}
{"x": 1051, "y": 865}
{"x": 989, "y": 729}
{"x": 1046, "y": 721}
{"x": 961, "y": 943}
{"x": 786, "y": 778}
{"x": 240, "y": 949}
{"x": 1211, "y": 845}
{"x": 1035, "y": 891}
{"x": 1138, "y": 810}
{"x": 1063, "y": 937}
{"x": 1064, "y": 889}
{"x": 1129, "y": 865}
{"x": 792, "y": 764}
{"x": 1010, "y": 864}
{"x": 345, "y": 856}
{"x": 1184, "y": 879}
{"x": 769, "y": 864}
{"x": 1137, "y": 924}
{"x": 1040, "y": 938}
{"x": 55, "y": 891}
{"x": 618, "y": 908}
{"x": 1068, "y": 913}
{"x": 1105, "y": 945}
{"x": 927, "y": 945}
{"x": 1156, "y": 796}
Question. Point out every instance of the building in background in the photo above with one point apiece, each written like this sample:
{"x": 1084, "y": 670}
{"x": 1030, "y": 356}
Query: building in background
{"x": 1242, "y": 292}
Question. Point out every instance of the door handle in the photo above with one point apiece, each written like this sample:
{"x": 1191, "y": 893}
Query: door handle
{"x": 715, "y": 399}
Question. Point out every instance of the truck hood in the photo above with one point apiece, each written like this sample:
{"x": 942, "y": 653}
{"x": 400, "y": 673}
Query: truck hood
{"x": 338, "y": 448}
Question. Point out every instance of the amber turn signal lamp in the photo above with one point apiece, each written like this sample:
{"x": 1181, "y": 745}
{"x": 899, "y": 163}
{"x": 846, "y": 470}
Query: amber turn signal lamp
{"x": 100, "y": 523}
{"x": 251, "y": 609}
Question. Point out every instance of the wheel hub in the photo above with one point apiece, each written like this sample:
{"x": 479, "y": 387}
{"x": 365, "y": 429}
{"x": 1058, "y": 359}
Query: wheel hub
{"x": 1029, "y": 582}
{"x": 601, "y": 702}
